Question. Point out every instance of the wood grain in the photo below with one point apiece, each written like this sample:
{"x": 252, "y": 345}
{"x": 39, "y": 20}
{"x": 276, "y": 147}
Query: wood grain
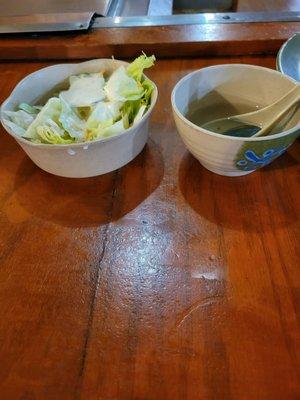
{"x": 160, "y": 281}
{"x": 164, "y": 41}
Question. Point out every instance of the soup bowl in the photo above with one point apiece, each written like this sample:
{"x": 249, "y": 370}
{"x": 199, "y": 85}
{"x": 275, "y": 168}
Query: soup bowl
{"x": 223, "y": 90}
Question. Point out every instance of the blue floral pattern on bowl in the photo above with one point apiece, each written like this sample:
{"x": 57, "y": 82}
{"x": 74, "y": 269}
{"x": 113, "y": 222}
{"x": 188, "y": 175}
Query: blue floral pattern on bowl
{"x": 252, "y": 160}
{"x": 253, "y": 155}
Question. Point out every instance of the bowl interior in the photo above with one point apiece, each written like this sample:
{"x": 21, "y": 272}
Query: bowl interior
{"x": 221, "y": 91}
{"x": 288, "y": 61}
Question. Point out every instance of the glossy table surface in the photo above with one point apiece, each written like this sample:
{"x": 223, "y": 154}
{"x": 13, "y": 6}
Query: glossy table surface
{"x": 160, "y": 281}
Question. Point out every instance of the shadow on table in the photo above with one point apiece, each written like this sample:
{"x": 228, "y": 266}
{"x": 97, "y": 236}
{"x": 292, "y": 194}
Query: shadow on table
{"x": 254, "y": 202}
{"x": 89, "y": 201}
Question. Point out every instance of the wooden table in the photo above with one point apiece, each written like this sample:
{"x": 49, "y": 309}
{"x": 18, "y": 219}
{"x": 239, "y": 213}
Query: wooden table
{"x": 160, "y": 281}
{"x": 164, "y": 41}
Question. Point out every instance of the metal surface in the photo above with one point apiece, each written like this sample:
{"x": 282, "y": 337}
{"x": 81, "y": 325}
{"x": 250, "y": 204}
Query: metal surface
{"x": 196, "y": 6}
{"x": 30, "y": 7}
{"x": 195, "y": 19}
{"x": 133, "y": 8}
{"x": 159, "y": 7}
{"x": 68, "y": 15}
{"x": 49, "y": 15}
{"x": 130, "y": 8}
{"x": 46, "y": 23}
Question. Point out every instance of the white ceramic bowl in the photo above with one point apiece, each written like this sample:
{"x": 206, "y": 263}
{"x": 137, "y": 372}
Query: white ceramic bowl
{"x": 232, "y": 83}
{"x": 288, "y": 57}
{"x": 81, "y": 159}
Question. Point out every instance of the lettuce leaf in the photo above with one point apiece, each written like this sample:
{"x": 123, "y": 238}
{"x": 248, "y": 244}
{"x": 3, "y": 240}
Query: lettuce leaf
{"x": 148, "y": 89}
{"x": 30, "y": 109}
{"x": 50, "y": 112}
{"x": 18, "y": 130}
{"x": 84, "y": 90}
{"x": 115, "y": 129}
{"x": 70, "y": 121}
{"x": 20, "y": 118}
{"x": 104, "y": 114}
{"x": 135, "y": 109}
{"x": 139, "y": 114}
{"x": 130, "y": 110}
{"x": 121, "y": 87}
{"x": 49, "y": 135}
{"x": 136, "y": 68}
{"x": 103, "y": 132}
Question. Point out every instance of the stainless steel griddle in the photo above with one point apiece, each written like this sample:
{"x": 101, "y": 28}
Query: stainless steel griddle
{"x": 17, "y": 16}
{"x": 33, "y": 16}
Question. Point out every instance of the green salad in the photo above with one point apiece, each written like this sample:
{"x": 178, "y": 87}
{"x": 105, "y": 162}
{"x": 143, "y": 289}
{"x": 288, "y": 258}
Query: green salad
{"x": 94, "y": 107}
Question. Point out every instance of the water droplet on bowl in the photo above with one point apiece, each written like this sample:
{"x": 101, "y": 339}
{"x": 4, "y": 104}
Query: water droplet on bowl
{"x": 71, "y": 152}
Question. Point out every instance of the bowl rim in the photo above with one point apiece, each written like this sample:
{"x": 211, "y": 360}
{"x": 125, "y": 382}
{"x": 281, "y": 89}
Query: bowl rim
{"x": 280, "y": 54}
{"x": 218, "y": 135}
{"x": 126, "y": 132}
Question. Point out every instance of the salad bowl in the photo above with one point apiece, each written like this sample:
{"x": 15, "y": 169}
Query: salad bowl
{"x": 82, "y": 159}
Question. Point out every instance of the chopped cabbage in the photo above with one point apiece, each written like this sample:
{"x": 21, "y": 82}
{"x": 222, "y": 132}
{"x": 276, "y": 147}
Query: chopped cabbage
{"x": 50, "y": 112}
{"x": 84, "y": 90}
{"x": 121, "y": 87}
{"x": 92, "y": 107}
{"x": 70, "y": 121}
